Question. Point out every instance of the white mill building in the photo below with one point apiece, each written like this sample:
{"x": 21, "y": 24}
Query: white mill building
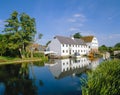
{"x": 67, "y": 46}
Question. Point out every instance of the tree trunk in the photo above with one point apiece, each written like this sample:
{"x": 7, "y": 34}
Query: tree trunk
{"x": 22, "y": 56}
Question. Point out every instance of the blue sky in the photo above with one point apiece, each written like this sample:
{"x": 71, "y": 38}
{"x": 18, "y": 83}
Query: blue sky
{"x": 100, "y": 18}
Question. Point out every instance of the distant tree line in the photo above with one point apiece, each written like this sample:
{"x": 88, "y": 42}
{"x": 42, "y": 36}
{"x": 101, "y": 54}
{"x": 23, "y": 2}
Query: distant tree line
{"x": 104, "y": 48}
{"x": 18, "y": 34}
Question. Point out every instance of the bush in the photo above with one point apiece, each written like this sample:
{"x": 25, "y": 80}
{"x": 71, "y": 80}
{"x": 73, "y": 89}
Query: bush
{"x": 105, "y": 80}
{"x": 37, "y": 54}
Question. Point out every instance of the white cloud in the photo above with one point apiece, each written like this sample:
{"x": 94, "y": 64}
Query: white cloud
{"x": 73, "y": 29}
{"x": 80, "y": 17}
{"x": 76, "y": 22}
{"x": 72, "y": 20}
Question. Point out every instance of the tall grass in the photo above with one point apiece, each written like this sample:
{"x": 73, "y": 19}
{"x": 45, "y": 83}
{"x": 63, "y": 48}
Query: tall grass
{"x": 105, "y": 80}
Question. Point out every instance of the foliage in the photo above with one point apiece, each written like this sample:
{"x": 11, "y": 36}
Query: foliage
{"x": 103, "y": 48}
{"x": 3, "y": 44}
{"x": 37, "y": 54}
{"x": 16, "y": 80}
{"x": 77, "y": 35}
{"x": 105, "y": 80}
{"x": 19, "y": 30}
{"x": 40, "y": 36}
{"x": 117, "y": 46}
{"x": 8, "y": 58}
{"x": 48, "y": 43}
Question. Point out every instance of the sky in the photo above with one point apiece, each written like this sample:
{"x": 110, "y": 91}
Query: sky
{"x": 100, "y": 18}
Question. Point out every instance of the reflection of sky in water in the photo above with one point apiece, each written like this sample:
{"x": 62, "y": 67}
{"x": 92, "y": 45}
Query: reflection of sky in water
{"x": 2, "y": 88}
{"x": 68, "y": 84}
{"x": 52, "y": 85}
{"x": 61, "y": 77}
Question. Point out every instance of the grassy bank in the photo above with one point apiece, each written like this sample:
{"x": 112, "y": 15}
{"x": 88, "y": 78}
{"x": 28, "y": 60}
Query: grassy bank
{"x": 10, "y": 60}
{"x": 105, "y": 80}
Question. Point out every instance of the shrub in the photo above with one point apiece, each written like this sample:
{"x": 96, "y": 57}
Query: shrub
{"x": 37, "y": 54}
{"x": 105, "y": 80}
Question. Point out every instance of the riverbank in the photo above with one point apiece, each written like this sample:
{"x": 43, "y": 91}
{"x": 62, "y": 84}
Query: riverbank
{"x": 104, "y": 80}
{"x": 11, "y": 60}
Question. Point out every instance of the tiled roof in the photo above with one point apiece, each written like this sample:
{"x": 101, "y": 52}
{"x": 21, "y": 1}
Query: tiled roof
{"x": 87, "y": 38}
{"x": 68, "y": 40}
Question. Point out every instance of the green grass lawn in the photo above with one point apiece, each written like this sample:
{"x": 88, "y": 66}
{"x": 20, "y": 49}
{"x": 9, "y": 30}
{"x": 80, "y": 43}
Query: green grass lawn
{"x": 4, "y": 59}
{"x": 9, "y": 60}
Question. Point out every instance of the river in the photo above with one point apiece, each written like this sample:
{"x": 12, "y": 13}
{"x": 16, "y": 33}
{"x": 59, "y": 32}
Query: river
{"x": 56, "y": 77}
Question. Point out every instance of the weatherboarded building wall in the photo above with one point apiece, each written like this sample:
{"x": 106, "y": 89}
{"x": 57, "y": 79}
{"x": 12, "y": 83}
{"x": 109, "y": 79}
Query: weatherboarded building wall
{"x": 92, "y": 43}
{"x": 66, "y": 46}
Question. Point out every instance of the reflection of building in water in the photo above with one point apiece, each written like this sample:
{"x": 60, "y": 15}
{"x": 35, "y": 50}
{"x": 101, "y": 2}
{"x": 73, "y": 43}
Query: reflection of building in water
{"x": 65, "y": 67}
{"x": 93, "y": 64}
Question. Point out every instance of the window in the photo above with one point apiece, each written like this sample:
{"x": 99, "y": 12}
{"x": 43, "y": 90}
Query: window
{"x": 63, "y": 45}
{"x": 66, "y": 51}
{"x": 63, "y": 51}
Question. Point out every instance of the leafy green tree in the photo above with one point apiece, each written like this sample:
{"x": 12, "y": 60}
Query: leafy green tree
{"x": 103, "y": 48}
{"x": 117, "y": 46}
{"x": 28, "y": 31}
{"x": 3, "y": 44}
{"x": 20, "y": 30}
{"x": 77, "y": 35}
{"x": 48, "y": 43}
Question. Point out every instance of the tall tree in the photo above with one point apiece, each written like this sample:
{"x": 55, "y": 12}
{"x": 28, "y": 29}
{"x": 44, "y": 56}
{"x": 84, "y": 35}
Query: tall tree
{"x": 21, "y": 29}
{"x": 3, "y": 44}
{"x": 77, "y": 35}
{"x": 28, "y": 31}
{"x": 11, "y": 31}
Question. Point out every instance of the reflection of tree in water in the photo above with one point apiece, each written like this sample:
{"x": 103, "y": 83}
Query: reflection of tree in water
{"x": 20, "y": 87}
{"x": 23, "y": 72}
{"x": 15, "y": 78}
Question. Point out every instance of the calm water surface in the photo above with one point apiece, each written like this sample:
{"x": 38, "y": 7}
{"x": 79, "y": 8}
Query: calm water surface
{"x": 57, "y": 77}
